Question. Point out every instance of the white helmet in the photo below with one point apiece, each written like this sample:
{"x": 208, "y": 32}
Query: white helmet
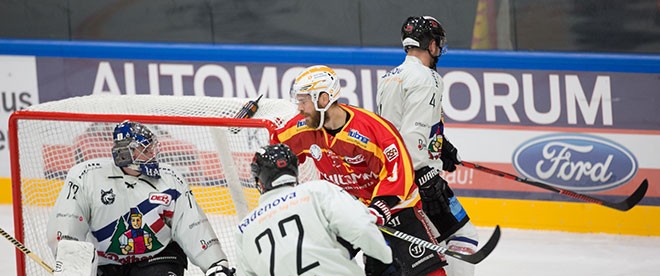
{"x": 313, "y": 81}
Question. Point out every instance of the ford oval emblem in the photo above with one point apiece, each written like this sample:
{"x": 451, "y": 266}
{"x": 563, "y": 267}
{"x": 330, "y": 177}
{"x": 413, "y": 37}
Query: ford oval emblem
{"x": 577, "y": 162}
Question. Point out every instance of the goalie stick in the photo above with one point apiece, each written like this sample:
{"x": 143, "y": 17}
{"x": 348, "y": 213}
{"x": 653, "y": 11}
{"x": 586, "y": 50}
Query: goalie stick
{"x": 624, "y": 205}
{"x": 475, "y": 258}
{"x": 26, "y": 251}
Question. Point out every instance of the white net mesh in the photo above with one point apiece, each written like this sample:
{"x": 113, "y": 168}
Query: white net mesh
{"x": 214, "y": 160}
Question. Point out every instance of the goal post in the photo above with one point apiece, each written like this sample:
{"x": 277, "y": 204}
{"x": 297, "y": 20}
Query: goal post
{"x": 197, "y": 135}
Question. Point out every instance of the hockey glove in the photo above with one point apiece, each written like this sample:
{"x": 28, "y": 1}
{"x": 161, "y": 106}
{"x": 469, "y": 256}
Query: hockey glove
{"x": 432, "y": 190}
{"x": 381, "y": 211}
{"x": 373, "y": 267}
{"x": 220, "y": 268}
{"x": 449, "y": 156}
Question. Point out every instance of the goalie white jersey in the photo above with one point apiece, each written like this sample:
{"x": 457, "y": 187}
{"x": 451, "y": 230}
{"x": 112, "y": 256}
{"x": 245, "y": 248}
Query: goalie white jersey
{"x": 294, "y": 231}
{"x": 405, "y": 94}
{"x": 130, "y": 219}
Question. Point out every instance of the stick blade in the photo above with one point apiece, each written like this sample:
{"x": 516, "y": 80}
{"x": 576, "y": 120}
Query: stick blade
{"x": 632, "y": 200}
{"x": 480, "y": 255}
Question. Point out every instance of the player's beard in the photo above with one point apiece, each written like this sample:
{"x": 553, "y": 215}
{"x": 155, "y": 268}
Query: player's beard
{"x": 313, "y": 119}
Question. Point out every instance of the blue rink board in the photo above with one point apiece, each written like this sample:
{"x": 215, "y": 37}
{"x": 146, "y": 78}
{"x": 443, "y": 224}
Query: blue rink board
{"x": 626, "y": 63}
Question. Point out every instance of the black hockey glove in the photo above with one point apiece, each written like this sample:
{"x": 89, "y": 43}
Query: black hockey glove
{"x": 449, "y": 156}
{"x": 432, "y": 190}
{"x": 221, "y": 268}
{"x": 373, "y": 267}
{"x": 380, "y": 208}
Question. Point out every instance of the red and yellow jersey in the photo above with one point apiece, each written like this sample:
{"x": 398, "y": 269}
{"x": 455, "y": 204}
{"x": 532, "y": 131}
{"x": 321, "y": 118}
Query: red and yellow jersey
{"x": 367, "y": 157}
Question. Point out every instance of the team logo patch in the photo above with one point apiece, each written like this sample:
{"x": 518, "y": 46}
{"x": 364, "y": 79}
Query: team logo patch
{"x": 315, "y": 151}
{"x": 107, "y": 197}
{"x": 160, "y": 198}
{"x": 391, "y": 152}
{"x": 132, "y": 236}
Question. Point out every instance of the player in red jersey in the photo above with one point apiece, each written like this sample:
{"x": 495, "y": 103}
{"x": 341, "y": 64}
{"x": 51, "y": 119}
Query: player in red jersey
{"x": 364, "y": 154}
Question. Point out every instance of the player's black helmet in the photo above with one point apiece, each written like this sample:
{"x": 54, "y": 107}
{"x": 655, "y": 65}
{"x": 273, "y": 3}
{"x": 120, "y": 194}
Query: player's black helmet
{"x": 271, "y": 163}
{"x": 418, "y": 31}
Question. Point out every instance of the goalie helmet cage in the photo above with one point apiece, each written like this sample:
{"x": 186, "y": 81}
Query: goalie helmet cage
{"x": 197, "y": 135}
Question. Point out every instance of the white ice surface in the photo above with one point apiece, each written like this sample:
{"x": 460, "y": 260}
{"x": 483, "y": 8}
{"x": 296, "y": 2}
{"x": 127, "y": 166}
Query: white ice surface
{"x": 520, "y": 252}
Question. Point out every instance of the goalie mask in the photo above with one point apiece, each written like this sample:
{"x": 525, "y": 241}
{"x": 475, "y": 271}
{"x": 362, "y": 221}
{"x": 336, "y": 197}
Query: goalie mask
{"x": 135, "y": 147}
{"x": 418, "y": 31}
{"x": 314, "y": 81}
{"x": 274, "y": 166}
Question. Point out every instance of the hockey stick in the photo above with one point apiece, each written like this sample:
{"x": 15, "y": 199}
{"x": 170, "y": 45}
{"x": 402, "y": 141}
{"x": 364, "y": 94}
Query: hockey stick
{"x": 26, "y": 251}
{"x": 247, "y": 111}
{"x": 475, "y": 258}
{"x": 624, "y": 205}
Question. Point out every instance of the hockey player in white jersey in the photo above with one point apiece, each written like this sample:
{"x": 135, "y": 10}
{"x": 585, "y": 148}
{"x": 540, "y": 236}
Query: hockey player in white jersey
{"x": 410, "y": 97}
{"x": 297, "y": 228}
{"x": 139, "y": 214}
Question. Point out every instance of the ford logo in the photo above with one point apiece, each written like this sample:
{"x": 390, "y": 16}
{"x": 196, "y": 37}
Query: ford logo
{"x": 577, "y": 162}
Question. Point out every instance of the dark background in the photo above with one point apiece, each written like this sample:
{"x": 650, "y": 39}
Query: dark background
{"x": 625, "y": 26}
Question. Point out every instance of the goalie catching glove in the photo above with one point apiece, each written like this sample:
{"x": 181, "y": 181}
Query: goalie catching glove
{"x": 220, "y": 268}
{"x": 432, "y": 190}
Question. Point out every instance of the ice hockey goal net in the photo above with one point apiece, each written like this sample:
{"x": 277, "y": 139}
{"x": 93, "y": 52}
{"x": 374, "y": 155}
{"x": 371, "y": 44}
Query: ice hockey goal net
{"x": 197, "y": 135}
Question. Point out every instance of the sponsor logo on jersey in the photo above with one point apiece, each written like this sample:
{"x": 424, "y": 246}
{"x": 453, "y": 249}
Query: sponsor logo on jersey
{"x": 350, "y": 179}
{"x": 575, "y": 161}
{"x": 69, "y": 215}
{"x": 352, "y": 133}
{"x": 315, "y": 151}
{"x": 263, "y": 209}
{"x": 421, "y": 145}
{"x": 420, "y": 124}
{"x": 122, "y": 260}
{"x": 61, "y": 236}
{"x": 354, "y": 159}
{"x": 301, "y": 123}
{"x": 197, "y": 223}
{"x": 209, "y": 243}
{"x": 391, "y": 152}
{"x": 160, "y": 198}
{"x": 107, "y": 197}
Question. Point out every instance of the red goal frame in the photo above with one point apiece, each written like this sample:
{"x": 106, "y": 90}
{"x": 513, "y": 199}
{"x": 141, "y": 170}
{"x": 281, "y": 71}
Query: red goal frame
{"x": 107, "y": 118}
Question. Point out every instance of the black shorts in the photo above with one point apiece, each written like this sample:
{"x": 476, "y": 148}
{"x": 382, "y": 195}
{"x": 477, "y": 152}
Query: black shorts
{"x": 413, "y": 259}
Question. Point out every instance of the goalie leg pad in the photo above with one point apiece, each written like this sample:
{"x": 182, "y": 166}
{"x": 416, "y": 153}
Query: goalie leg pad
{"x": 75, "y": 258}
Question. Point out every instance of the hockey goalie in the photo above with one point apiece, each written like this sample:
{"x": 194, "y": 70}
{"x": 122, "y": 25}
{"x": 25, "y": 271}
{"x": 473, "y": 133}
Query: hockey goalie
{"x": 139, "y": 214}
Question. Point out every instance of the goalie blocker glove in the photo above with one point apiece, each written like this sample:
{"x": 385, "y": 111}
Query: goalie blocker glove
{"x": 220, "y": 268}
{"x": 432, "y": 191}
{"x": 449, "y": 155}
